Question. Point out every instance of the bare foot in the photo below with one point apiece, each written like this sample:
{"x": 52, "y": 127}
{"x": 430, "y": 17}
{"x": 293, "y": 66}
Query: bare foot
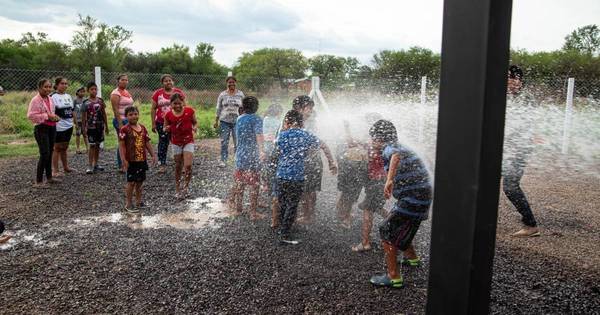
{"x": 70, "y": 170}
{"x": 5, "y": 238}
{"x": 256, "y": 216}
{"x": 40, "y": 185}
{"x": 57, "y": 174}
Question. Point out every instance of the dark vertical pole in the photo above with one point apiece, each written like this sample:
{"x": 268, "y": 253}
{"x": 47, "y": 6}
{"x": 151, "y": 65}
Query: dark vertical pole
{"x": 475, "y": 52}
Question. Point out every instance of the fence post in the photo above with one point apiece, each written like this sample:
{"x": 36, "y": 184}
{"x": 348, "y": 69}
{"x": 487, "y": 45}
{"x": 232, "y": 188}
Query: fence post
{"x": 422, "y": 108}
{"x": 568, "y": 115}
{"x": 98, "y": 79}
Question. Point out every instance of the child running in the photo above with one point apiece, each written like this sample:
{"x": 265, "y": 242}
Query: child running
{"x": 408, "y": 181}
{"x": 293, "y": 146}
{"x": 181, "y": 123}
{"x": 77, "y": 119}
{"x": 248, "y": 157}
{"x": 95, "y": 125}
{"x": 134, "y": 143}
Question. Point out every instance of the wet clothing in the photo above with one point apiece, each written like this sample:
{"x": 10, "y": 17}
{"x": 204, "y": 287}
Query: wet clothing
{"x": 313, "y": 164}
{"x": 228, "y": 106}
{"x": 412, "y": 188}
{"x": 294, "y": 146}
{"x": 181, "y": 127}
{"x": 135, "y": 142}
{"x": 44, "y": 137}
{"x": 247, "y": 177}
{"x": 136, "y": 171}
{"x": 399, "y": 230}
{"x": 374, "y": 199}
{"x": 271, "y": 126}
{"x": 163, "y": 102}
{"x": 63, "y": 107}
{"x": 289, "y": 194}
{"x": 225, "y": 131}
{"x": 352, "y": 172}
{"x": 180, "y": 149}
{"x": 248, "y": 127}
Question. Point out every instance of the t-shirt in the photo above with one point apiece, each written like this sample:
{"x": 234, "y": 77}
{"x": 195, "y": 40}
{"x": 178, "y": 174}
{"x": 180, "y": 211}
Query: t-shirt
{"x": 135, "y": 142}
{"x": 412, "y": 187}
{"x": 519, "y": 131}
{"x": 247, "y": 127}
{"x": 63, "y": 106}
{"x": 163, "y": 102}
{"x": 270, "y": 127}
{"x": 181, "y": 127}
{"x": 228, "y": 106}
{"x": 77, "y": 104}
{"x": 293, "y": 146}
{"x": 125, "y": 100}
{"x": 93, "y": 110}
{"x": 375, "y": 165}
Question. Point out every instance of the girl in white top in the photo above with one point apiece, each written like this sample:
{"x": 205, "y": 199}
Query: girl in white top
{"x": 63, "y": 104}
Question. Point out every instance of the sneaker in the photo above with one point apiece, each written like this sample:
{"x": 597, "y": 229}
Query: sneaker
{"x": 288, "y": 240}
{"x": 222, "y": 164}
{"x": 411, "y": 262}
{"x": 385, "y": 281}
{"x": 131, "y": 210}
{"x": 528, "y": 231}
{"x": 98, "y": 168}
{"x": 89, "y": 170}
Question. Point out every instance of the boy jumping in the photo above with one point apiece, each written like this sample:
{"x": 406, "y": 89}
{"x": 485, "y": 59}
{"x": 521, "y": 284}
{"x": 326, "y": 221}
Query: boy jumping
{"x": 408, "y": 181}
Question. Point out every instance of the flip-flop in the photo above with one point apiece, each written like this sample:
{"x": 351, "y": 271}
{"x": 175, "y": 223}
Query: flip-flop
{"x": 361, "y": 248}
{"x": 411, "y": 262}
{"x": 385, "y": 281}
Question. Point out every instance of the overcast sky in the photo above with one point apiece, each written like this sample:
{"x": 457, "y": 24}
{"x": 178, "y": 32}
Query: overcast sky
{"x": 347, "y": 28}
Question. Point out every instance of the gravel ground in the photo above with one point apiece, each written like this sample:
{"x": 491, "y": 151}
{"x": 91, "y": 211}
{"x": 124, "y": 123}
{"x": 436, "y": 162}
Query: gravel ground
{"x": 69, "y": 255}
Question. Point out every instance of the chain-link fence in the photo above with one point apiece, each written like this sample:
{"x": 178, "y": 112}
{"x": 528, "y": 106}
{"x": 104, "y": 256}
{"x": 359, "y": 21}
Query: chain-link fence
{"x": 19, "y": 86}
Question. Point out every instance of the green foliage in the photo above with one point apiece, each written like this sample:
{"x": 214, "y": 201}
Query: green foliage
{"x": 334, "y": 71}
{"x": 277, "y": 63}
{"x": 404, "y": 68}
{"x": 585, "y": 40}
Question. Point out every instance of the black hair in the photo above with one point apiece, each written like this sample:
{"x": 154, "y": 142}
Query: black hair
{"x": 176, "y": 96}
{"x": 57, "y": 81}
{"x": 164, "y": 76}
{"x": 91, "y": 84}
{"x": 230, "y": 78}
{"x": 120, "y": 76}
{"x": 80, "y": 89}
{"x": 294, "y": 118}
{"x": 250, "y": 104}
{"x": 384, "y": 131}
{"x": 43, "y": 81}
{"x": 274, "y": 109}
{"x": 515, "y": 72}
{"x": 302, "y": 101}
{"x": 131, "y": 109}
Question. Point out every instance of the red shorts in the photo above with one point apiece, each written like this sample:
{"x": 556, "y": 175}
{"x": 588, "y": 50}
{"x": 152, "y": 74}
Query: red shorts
{"x": 247, "y": 177}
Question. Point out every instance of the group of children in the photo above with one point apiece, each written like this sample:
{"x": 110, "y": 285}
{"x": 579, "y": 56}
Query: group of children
{"x": 282, "y": 156}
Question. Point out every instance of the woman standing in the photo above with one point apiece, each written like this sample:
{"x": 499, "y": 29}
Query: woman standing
{"x": 63, "y": 104}
{"x": 41, "y": 114}
{"x": 120, "y": 99}
{"x": 228, "y": 106}
{"x": 161, "y": 105}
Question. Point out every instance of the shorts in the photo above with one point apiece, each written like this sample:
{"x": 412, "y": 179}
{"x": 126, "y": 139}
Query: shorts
{"x": 399, "y": 230}
{"x": 247, "y": 177}
{"x": 179, "y": 149}
{"x": 351, "y": 179}
{"x": 95, "y": 136}
{"x": 64, "y": 136}
{"x": 78, "y": 131}
{"x": 374, "y": 199}
{"x": 313, "y": 170}
{"x": 136, "y": 171}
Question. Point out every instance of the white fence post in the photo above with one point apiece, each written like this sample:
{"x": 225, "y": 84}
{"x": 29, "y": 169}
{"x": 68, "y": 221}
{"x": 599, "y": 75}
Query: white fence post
{"x": 315, "y": 93}
{"x": 422, "y": 108}
{"x": 98, "y": 79}
{"x": 568, "y": 115}
{"x": 229, "y": 74}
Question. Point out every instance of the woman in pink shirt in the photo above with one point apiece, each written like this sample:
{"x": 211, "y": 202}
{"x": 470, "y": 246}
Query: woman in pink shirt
{"x": 120, "y": 99}
{"x": 41, "y": 114}
{"x": 161, "y": 105}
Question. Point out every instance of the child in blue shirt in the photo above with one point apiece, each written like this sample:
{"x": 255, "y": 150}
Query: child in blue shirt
{"x": 408, "y": 181}
{"x": 248, "y": 157}
{"x": 293, "y": 147}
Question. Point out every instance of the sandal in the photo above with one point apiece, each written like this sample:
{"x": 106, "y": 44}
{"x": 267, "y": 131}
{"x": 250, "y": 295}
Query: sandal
{"x": 411, "y": 262}
{"x": 361, "y": 248}
{"x": 385, "y": 281}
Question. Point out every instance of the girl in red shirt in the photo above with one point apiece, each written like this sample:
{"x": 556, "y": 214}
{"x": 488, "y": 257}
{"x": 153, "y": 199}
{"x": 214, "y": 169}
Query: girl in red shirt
{"x": 181, "y": 123}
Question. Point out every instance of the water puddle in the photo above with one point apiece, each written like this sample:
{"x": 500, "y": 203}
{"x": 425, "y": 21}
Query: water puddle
{"x": 200, "y": 213}
{"x": 20, "y": 236}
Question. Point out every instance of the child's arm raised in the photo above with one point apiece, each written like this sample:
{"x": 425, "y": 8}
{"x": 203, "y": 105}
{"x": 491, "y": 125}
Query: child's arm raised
{"x": 389, "y": 184}
{"x": 329, "y": 156}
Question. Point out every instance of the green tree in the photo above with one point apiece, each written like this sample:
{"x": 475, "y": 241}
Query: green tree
{"x": 333, "y": 70}
{"x": 585, "y": 40}
{"x": 97, "y": 44}
{"x": 402, "y": 70}
{"x": 281, "y": 64}
{"x": 204, "y": 62}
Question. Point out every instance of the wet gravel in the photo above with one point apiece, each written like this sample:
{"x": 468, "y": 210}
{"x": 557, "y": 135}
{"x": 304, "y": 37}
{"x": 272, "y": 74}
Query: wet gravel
{"x": 58, "y": 266}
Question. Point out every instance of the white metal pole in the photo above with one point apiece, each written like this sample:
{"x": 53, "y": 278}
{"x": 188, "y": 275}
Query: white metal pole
{"x": 98, "y": 79}
{"x": 421, "y": 110}
{"x": 229, "y": 74}
{"x": 568, "y": 115}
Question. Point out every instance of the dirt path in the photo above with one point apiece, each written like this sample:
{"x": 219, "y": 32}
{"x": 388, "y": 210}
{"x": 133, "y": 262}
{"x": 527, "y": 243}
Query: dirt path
{"x": 72, "y": 252}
